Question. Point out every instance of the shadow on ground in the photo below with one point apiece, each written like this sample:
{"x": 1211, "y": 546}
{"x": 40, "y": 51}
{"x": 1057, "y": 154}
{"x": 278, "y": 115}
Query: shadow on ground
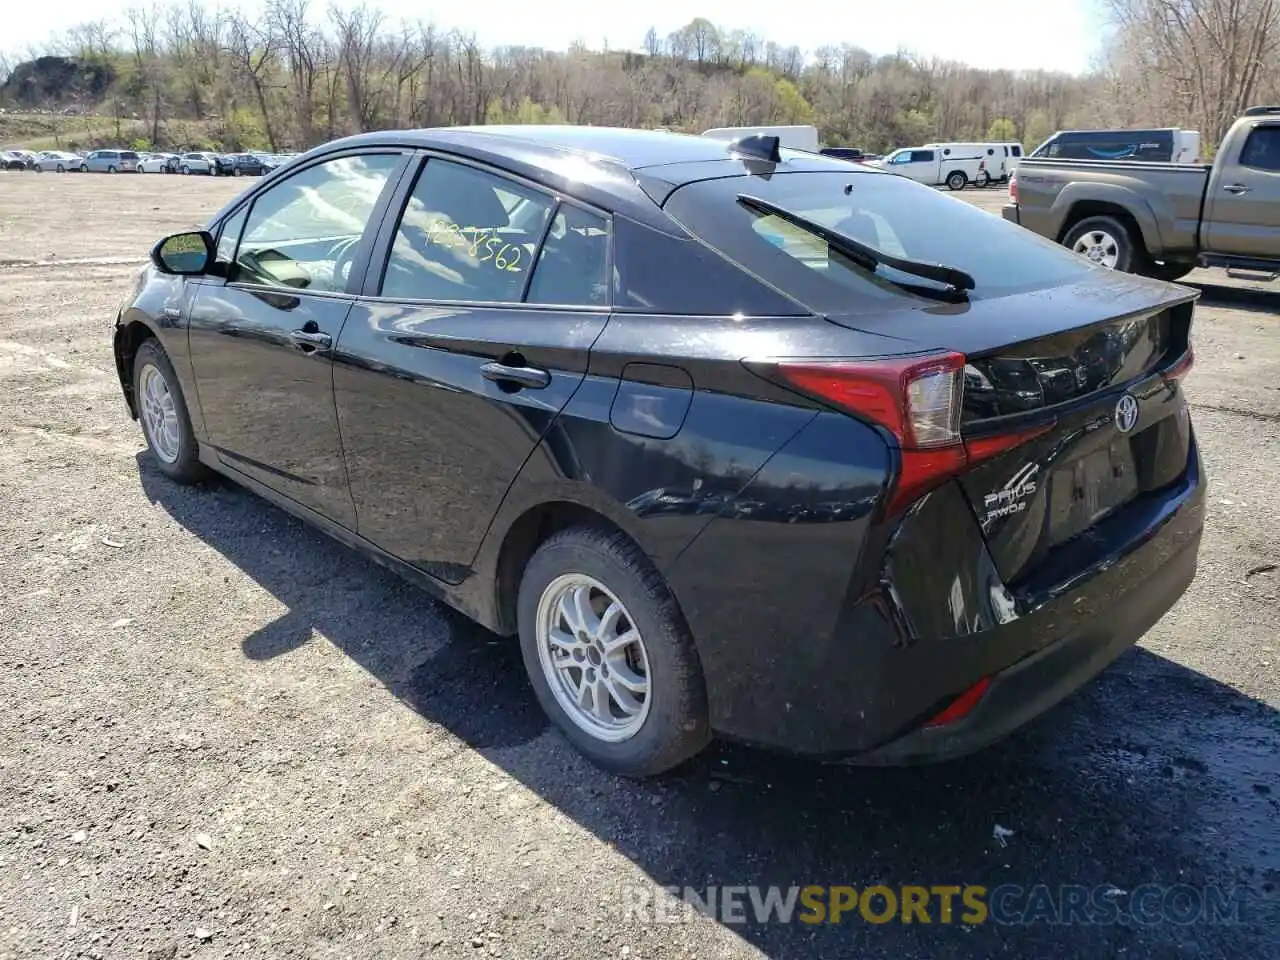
{"x": 1153, "y": 774}
{"x": 1238, "y": 298}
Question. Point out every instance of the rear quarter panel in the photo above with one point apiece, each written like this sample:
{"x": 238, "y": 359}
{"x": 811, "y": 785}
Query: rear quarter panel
{"x": 1164, "y": 199}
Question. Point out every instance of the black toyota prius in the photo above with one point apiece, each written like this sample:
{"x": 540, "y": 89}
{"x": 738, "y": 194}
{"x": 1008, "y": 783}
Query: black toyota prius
{"x": 736, "y": 440}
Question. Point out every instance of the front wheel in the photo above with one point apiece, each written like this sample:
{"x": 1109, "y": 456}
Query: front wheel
{"x": 84, "y": 168}
{"x": 186, "y": 170}
{"x": 162, "y": 410}
{"x": 609, "y": 654}
{"x": 61, "y": 169}
{"x": 956, "y": 180}
{"x": 1104, "y": 241}
{"x": 112, "y": 170}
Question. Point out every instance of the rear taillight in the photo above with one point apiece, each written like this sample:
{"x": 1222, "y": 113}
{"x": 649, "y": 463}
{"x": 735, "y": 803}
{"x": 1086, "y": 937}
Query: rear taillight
{"x": 1013, "y": 188}
{"x": 1183, "y": 365}
{"x": 918, "y": 401}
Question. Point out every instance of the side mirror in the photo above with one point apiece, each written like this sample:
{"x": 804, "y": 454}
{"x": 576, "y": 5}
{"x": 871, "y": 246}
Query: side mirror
{"x": 185, "y": 254}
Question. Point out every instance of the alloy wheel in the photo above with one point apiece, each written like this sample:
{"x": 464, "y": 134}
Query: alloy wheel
{"x": 159, "y": 414}
{"x": 593, "y": 657}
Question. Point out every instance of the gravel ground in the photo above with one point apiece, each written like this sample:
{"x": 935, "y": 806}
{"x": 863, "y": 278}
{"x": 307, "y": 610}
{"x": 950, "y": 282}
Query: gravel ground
{"x": 223, "y": 735}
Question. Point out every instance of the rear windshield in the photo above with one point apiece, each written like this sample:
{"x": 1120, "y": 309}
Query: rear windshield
{"x": 892, "y": 214}
{"x": 128, "y": 155}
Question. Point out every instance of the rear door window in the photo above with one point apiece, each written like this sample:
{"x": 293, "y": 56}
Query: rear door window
{"x": 891, "y": 214}
{"x": 1262, "y": 149}
{"x": 467, "y": 235}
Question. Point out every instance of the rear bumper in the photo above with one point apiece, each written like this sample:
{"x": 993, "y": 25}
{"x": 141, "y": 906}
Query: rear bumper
{"x": 1033, "y": 685}
{"x": 1010, "y": 212}
{"x": 853, "y": 642}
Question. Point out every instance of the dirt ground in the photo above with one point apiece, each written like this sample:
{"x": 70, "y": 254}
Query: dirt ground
{"x": 223, "y": 735}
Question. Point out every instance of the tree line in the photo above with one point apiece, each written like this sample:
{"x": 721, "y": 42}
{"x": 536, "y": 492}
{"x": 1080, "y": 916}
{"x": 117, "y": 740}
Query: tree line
{"x": 295, "y": 75}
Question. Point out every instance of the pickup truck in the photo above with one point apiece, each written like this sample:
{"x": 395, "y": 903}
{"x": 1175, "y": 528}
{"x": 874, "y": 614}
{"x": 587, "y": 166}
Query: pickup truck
{"x": 1164, "y": 219}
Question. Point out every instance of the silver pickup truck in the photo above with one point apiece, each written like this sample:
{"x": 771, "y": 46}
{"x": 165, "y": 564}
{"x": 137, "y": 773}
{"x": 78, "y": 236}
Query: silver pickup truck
{"x": 1164, "y": 219}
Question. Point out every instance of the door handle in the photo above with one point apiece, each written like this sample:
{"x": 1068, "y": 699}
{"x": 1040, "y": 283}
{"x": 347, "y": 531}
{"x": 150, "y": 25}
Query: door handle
{"x": 311, "y": 338}
{"x": 1236, "y": 188}
{"x": 530, "y": 377}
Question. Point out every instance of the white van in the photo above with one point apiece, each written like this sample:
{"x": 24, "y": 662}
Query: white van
{"x": 936, "y": 164}
{"x": 1164, "y": 145}
{"x": 993, "y": 154}
{"x": 1013, "y": 154}
{"x": 797, "y": 137}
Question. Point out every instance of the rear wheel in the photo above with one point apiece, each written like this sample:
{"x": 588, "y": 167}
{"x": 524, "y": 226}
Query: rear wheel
{"x": 609, "y": 655}
{"x": 162, "y": 411}
{"x": 1104, "y": 241}
{"x": 956, "y": 180}
{"x": 236, "y": 172}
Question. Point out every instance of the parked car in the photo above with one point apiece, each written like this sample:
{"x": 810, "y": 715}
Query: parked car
{"x": 1159, "y": 218}
{"x": 246, "y": 165}
{"x": 14, "y": 160}
{"x": 852, "y": 154}
{"x": 159, "y": 163}
{"x": 198, "y": 162}
{"x": 936, "y": 166}
{"x": 824, "y": 461}
{"x": 110, "y": 161}
{"x": 56, "y": 161}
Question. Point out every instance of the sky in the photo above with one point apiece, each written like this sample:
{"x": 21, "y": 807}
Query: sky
{"x": 1065, "y": 34}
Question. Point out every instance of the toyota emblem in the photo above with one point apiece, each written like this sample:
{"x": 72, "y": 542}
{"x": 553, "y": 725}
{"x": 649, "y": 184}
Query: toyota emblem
{"x": 1126, "y": 413}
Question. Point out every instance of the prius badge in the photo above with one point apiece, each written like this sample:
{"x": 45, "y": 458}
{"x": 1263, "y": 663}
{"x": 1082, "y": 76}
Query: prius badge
{"x": 1013, "y": 496}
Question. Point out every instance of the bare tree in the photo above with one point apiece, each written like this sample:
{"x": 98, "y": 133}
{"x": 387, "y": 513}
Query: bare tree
{"x": 1204, "y": 60}
{"x": 253, "y": 49}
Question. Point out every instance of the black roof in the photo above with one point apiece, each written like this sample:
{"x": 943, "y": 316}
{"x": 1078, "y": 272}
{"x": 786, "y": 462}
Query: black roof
{"x": 620, "y": 169}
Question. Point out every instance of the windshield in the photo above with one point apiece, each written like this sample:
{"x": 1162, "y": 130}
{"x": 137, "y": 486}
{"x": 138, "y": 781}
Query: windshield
{"x": 891, "y": 214}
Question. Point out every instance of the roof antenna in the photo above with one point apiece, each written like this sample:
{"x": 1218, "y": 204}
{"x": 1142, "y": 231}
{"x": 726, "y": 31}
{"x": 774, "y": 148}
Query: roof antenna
{"x": 759, "y": 146}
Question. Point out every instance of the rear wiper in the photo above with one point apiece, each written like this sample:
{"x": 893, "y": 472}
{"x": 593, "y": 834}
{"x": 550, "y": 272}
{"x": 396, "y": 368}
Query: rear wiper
{"x": 866, "y": 256}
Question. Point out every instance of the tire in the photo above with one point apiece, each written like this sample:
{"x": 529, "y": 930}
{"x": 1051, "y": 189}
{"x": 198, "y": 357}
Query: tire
{"x": 672, "y": 723}
{"x": 112, "y": 170}
{"x": 186, "y": 170}
{"x": 61, "y": 169}
{"x": 181, "y": 464}
{"x": 84, "y": 168}
{"x": 1107, "y": 242}
{"x": 956, "y": 180}
{"x": 1168, "y": 271}
{"x": 236, "y": 172}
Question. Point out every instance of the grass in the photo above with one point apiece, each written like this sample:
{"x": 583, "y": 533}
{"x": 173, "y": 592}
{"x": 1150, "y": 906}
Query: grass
{"x": 56, "y": 132}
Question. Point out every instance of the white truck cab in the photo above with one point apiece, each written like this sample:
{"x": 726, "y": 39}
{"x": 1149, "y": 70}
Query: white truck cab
{"x": 937, "y": 164}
